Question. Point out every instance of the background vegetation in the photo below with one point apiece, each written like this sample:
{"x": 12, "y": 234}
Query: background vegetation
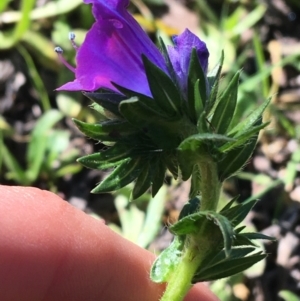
{"x": 39, "y": 143}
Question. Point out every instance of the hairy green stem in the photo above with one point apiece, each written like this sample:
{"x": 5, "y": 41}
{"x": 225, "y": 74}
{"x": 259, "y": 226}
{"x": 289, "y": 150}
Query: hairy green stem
{"x": 181, "y": 279}
{"x": 210, "y": 185}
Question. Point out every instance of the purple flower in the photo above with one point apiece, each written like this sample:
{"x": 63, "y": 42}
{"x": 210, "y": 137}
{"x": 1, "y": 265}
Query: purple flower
{"x": 180, "y": 55}
{"x": 113, "y": 48}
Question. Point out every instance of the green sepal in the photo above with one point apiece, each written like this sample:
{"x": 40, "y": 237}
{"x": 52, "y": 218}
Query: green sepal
{"x": 242, "y": 240}
{"x": 90, "y": 161}
{"x": 213, "y": 78}
{"x": 239, "y": 229}
{"x": 158, "y": 176}
{"x": 235, "y": 159}
{"x": 109, "y": 130}
{"x": 169, "y": 64}
{"x": 166, "y": 262}
{"x": 171, "y": 161}
{"x": 108, "y": 100}
{"x": 242, "y": 138}
{"x": 196, "y": 91}
{"x": 202, "y": 123}
{"x": 143, "y": 181}
{"x": 121, "y": 176}
{"x": 237, "y": 213}
{"x": 253, "y": 119}
{"x": 198, "y": 102}
{"x": 164, "y": 91}
{"x": 255, "y": 235}
{"x": 161, "y": 131}
{"x": 107, "y": 158}
{"x": 228, "y": 266}
{"x": 226, "y": 106}
{"x": 229, "y": 204}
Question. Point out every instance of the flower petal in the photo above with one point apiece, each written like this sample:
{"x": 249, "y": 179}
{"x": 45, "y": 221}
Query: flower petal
{"x": 180, "y": 55}
{"x": 112, "y": 51}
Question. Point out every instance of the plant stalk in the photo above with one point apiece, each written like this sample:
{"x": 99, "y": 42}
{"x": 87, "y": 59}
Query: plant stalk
{"x": 210, "y": 188}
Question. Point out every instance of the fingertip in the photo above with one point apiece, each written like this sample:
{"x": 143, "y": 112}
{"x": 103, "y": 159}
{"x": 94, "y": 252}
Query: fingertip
{"x": 53, "y": 252}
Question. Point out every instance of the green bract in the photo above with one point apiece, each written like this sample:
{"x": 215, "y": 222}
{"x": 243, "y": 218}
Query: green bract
{"x": 226, "y": 251}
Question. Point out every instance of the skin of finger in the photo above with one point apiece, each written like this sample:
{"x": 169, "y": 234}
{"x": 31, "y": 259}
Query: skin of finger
{"x": 50, "y": 250}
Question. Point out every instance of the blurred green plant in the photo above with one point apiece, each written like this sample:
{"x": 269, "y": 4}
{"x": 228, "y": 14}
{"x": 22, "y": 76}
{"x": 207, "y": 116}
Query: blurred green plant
{"x": 47, "y": 153}
{"x": 138, "y": 225}
{"x": 288, "y": 296}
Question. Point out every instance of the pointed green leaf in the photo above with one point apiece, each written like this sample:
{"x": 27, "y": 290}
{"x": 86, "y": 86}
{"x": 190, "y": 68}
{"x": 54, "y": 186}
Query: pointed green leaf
{"x": 213, "y": 80}
{"x": 108, "y": 100}
{"x": 251, "y": 120}
{"x": 110, "y": 157}
{"x": 237, "y": 213}
{"x": 198, "y": 102}
{"x": 235, "y": 159}
{"x": 165, "y": 53}
{"x": 242, "y": 240}
{"x": 158, "y": 176}
{"x": 196, "y": 92}
{"x": 163, "y": 132}
{"x": 229, "y": 268}
{"x": 202, "y": 123}
{"x": 170, "y": 160}
{"x": 229, "y": 204}
{"x": 110, "y": 130}
{"x": 239, "y": 229}
{"x": 95, "y": 161}
{"x": 218, "y": 256}
{"x": 163, "y": 89}
{"x": 225, "y": 108}
{"x": 124, "y": 174}
{"x": 143, "y": 181}
{"x": 243, "y": 138}
{"x": 257, "y": 235}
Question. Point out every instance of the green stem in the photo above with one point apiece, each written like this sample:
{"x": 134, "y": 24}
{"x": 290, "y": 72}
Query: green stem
{"x": 181, "y": 279}
{"x": 210, "y": 185}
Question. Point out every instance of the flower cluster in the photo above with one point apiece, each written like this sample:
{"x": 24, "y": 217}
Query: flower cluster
{"x": 163, "y": 110}
{"x": 113, "y": 49}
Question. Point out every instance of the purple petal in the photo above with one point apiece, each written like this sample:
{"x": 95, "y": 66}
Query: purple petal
{"x": 180, "y": 55}
{"x": 112, "y": 51}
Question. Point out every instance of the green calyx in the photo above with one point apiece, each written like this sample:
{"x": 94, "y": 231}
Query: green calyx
{"x": 172, "y": 131}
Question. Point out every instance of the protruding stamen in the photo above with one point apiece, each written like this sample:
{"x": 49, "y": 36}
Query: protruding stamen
{"x": 72, "y": 39}
{"x": 59, "y": 52}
